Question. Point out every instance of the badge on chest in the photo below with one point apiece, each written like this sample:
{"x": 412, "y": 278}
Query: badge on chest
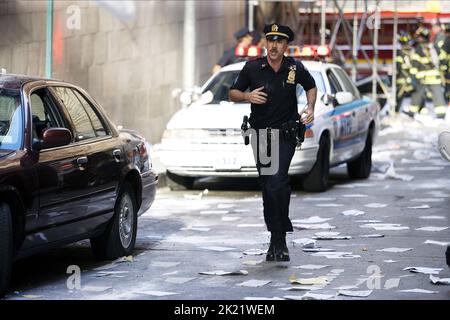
{"x": 291, "y": 74}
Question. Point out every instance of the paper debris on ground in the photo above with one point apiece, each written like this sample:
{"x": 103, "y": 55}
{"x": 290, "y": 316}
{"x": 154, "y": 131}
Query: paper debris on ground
{"x": 332, "y": 237}
{"x": 432, "y": 228}
{"x": 197, "y": 196}
{"x": 254, "y": 283}
{"x": 217, "y": 248}
{"x": 313, "y": 226}
{"x": 350, "y": 287}
{"x": 351, "y": 293}
{"x": 439, "y": 243}
{"x": 304, "y": 242}
{"x": 311, "y": 267}
{"x": 309, "y": 281}
{"x": 179, "y": 280}
{"x": 95, "y": 288}
{"x": 372, "y": 235}
{"x": 213, "y": 212}
{"x": 389, "y": 261}
{"x": 437, "y": 280}
{"x": 424, "y": 270}
{"x": 252, "y": 262}
{"x": 326, "y": 234}
{"x": 164, "y": 264}
{"x": 329, "y": 205}
{"x": 428, "y": 200}
{"x": 230, "y": 219}
{"x": 391, "y": 283}
{"x": 424, "y": 206}
{"x": 254, "y": 252}
{"x": 124, "y": 259}
{"x": 170, "y": 273}
{"x": 433, "y": 217}
{"x": 395, "y": 250}
{"x": 317, "y": 296}
{"x": 355, "y": 195}
{"x": 303, "y": 288}
{"x": 368, "y": 221}
{"x": 352, "y": 213}
{"x": 262, "y": 298}
{"x": 438, "y": 194}
{"x": 376, "y": 205}
{"x": 318, "y": 199}
{"x": 390, "y": 173}
{"x": 251, "y": 225}
{"x": 111, "y": 274}
{"x": 336, "y": 255}
{"x": 418, "y": 291}
{"x": 31, "y": 296}
{"x": 155, "y": 293}
{"x": 192, "y": 228}
{"x": 314, "y": 219}
{"x": 318, "y": 250}
{"x": 225, "y": 273}
{"x": 385, "y": 226}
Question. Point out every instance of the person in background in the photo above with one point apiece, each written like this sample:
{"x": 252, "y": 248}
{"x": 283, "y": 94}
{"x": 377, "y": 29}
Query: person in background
{"x": 404, "y": 79}
{"x": 243, "y": 40}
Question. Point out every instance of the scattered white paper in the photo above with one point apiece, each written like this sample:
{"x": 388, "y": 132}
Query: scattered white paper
{"x": 346, "y": 288}
{"x": 424, "y": 270}
{"x": 392, "y": 283}
{"x": 252, "y": 262}
{"x": 428, "y": 200}
{"x": 389, "y": 261}
{"x": 254, "y": 252}
{"x": 155, "y": 293}
{"x": 432, "y": 228}
{"x": 432, "y": 217}
{"x": 318, "y": 250}
{"x": 214, "y": 212}
{"x": 262, "y": 298}
{"x": 437, "y": 280}
{"x": 376, "y": 205}
{"x": 372, "y": 235}
{"x": 313, "y": 226}
{"x": 254, "y": 283}
{"x": 332, "y": 237}
{"x": 310, "y": 281}
{"x": 302, "y": 288}
{"x": 439, "y": 243}
{"x": 179, "y": 280}
{"x": 329, "y": 205}
{"x": 418, "y": 291}
{"x": 225, "y": 273}
{"x": 92, "y": 288}
{"x": 311, "y": 267}
{"x": 316, "y": 296}
{"x": 124, "y": 259}
{"x": 213, "y": 248}
{"x": 368, "y": 221}
{"x": 395, "y": 250}
{"x": 230, "y": 219}
{"x": 326, "y": 234}
{"x": 385, "y": 226}
{"x": 202, "y": 229}
{"x": 336, "y": 255}
{"x": 318, "y": 199}
{"x": 424, "y": 206}
{"x": 304, "y": 242}
{"x": 314, "y": 219}
{"x": 355, "y": 195}
{"x": 352, "y": 213}
{"x": 350, "y": 293}
{"x": 250, "y": 225}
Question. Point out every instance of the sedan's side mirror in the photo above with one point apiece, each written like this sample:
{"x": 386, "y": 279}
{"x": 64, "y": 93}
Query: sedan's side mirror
{"x": 344, "y": 97}
{"x": 444, "y": 144}
{"x": 52, "y": 138}
{"x": 326, "y": 99}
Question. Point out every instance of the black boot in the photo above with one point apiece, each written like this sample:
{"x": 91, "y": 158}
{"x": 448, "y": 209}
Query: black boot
{"x": 271, "y": 252}
{"x": 281, "y": 250}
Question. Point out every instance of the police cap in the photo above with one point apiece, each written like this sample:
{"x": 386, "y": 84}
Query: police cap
{"x": 241, "y": 33}
{"x": 275, "y": 31}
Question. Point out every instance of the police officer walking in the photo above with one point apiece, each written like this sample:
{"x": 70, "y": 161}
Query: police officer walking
{"x": 427, "y": 76}
{"x": 403, "y": 62}
{"x": 272, "y": 81}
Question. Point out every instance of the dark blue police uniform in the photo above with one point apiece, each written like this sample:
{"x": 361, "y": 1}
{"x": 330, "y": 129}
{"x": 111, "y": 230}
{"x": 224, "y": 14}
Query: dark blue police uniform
{"x": 281, "y": 107}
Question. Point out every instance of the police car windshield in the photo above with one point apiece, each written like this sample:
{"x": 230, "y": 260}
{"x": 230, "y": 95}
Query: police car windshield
{"x": 222, "y": 82}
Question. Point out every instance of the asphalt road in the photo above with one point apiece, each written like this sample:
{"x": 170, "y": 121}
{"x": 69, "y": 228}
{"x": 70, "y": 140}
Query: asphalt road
{"x": 187, "y": 232}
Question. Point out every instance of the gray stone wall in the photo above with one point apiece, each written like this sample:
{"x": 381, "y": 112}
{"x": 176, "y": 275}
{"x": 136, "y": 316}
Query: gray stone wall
{"x": 131, "y": 66}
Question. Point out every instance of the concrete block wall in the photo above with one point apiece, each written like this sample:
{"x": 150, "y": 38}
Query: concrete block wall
{"x": 130, "y": 67}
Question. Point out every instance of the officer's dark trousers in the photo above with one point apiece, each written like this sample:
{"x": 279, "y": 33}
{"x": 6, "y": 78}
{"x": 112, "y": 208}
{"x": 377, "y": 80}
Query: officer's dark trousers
{"x": 276, "y": 190}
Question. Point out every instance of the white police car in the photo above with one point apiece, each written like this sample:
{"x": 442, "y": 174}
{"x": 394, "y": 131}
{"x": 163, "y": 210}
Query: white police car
{"x": 205, "y": 138}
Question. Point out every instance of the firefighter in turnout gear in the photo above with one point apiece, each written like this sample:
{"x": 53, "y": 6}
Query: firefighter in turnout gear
{"x": 427, "y": 76}
{"x": 404, "y": 65}
{"x": 444, "y": 62}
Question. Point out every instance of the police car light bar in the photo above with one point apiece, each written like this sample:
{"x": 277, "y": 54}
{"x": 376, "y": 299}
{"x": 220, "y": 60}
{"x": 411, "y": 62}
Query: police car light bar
{"x": 308, "y": 51}
{"x": 240, "y": 51}
{"x": 254, "y": 51}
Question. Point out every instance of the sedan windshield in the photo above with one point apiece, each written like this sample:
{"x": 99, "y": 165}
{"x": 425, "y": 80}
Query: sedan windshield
{"x": 11, "y": 120}
{"x": 221, "y": 84}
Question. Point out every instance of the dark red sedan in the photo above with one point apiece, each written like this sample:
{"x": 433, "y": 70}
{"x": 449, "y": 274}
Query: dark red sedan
{"x": 66, "y": 173}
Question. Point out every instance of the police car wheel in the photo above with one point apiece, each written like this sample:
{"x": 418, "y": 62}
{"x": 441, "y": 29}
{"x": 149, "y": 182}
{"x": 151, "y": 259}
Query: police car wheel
{"x": 317, "y": 180}
{"x": 119, "y": 238}
{"x": 176, "y": 182}
{"x": 6, "y": 247}
{"x": 361, "y": 167}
